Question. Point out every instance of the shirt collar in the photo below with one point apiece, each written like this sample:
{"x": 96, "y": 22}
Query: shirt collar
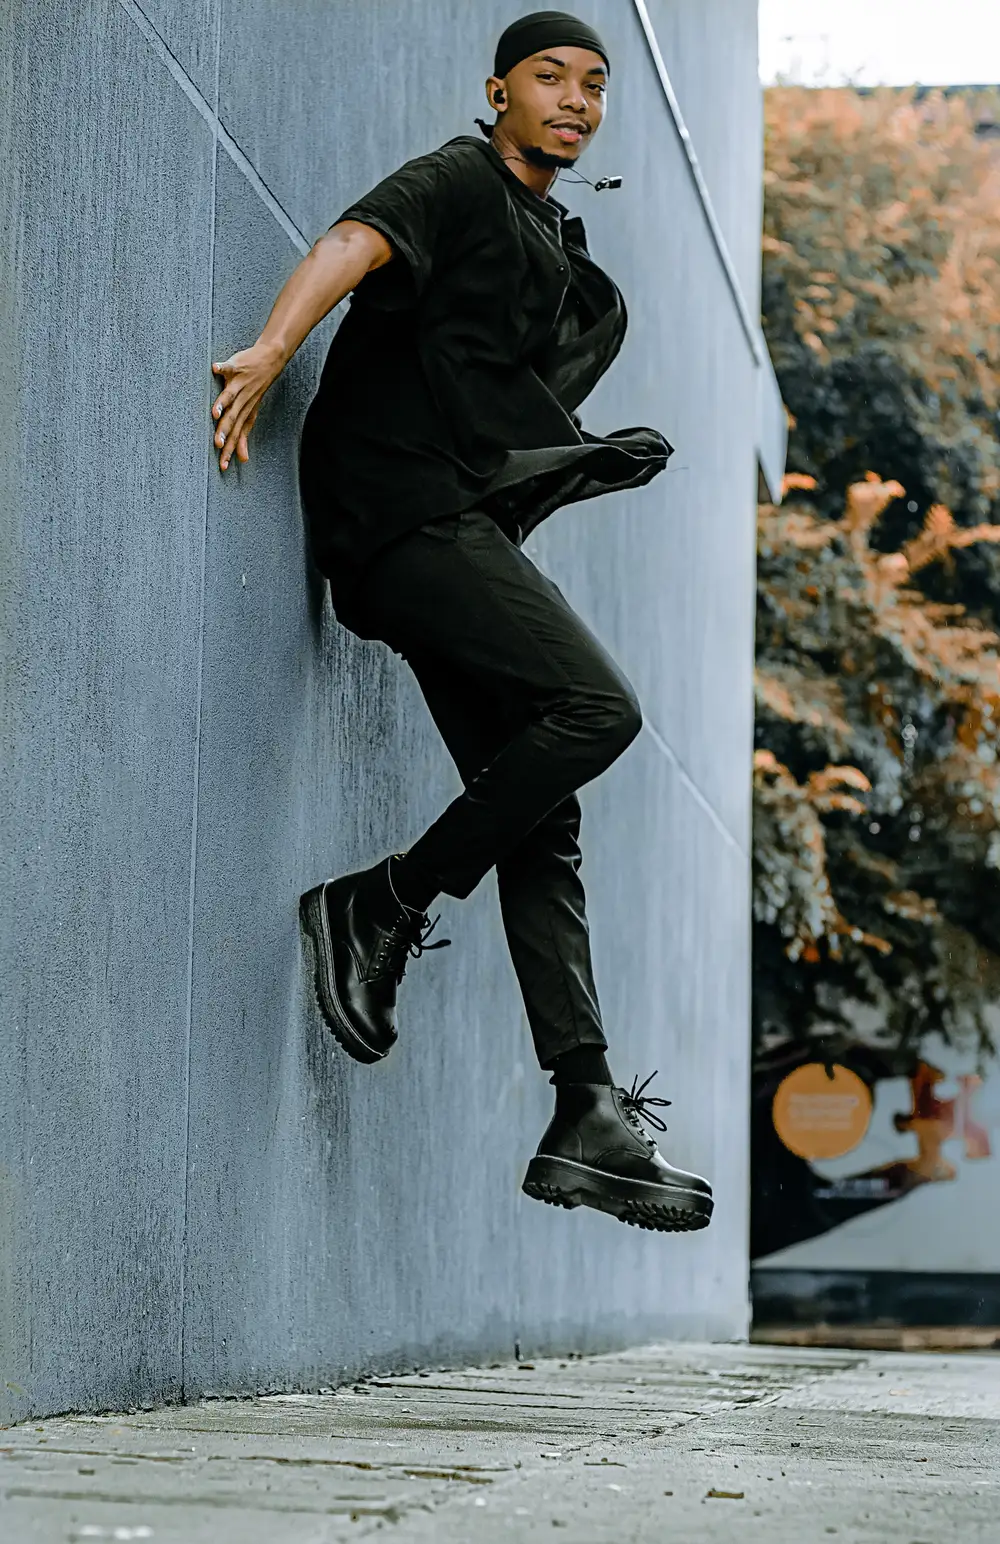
{"x": 559, "y": 211}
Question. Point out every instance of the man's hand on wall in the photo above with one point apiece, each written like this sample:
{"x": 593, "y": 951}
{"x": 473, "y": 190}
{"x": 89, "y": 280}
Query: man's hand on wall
{"x": 332, "y": 268}
{"x": 247, "y": 375}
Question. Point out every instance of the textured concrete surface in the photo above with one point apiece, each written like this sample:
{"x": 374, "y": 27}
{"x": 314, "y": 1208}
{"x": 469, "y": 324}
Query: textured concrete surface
{"x": 105, "y": 304}
{"x": 696, "y": 39}
{"x": 701, "y": 1443}
{"x": 197, "y": 1192}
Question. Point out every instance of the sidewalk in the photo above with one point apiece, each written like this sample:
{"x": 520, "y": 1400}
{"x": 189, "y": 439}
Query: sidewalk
{"x": 755, "y": 1443}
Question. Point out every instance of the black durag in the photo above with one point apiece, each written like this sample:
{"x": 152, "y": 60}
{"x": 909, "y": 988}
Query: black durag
{"x": 544, "y": 29}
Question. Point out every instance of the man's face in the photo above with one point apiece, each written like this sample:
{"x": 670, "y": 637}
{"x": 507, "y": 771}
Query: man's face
{"x": 553, "y": 102}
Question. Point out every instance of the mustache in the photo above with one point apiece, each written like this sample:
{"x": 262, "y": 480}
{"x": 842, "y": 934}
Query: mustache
{"x": 581, "y": 124}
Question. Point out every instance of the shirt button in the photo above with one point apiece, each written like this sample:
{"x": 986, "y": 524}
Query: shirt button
{"x": 561, "y": 268}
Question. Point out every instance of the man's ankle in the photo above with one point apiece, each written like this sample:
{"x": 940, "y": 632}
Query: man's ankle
{"x": 412, "y": 886}
{"x": 583, "y": 1064}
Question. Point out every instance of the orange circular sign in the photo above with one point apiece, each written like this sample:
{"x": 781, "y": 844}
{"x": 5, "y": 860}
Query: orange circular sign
{"x": 817, "y": 1116}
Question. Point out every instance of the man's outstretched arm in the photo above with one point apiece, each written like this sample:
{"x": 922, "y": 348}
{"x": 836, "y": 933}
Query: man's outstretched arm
{"x": 336, "y": 265}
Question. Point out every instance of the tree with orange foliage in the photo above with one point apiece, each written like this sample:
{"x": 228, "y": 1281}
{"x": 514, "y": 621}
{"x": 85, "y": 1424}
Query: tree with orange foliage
{"x": 881, "y": 301}
{"x": 877, "y": 782}
{"x": 877, "y": 770}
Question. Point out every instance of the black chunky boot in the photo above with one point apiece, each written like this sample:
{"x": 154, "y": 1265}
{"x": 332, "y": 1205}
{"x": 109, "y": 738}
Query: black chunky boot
{"x": 596, "y": 1153}
{"x": 362, "y": 938}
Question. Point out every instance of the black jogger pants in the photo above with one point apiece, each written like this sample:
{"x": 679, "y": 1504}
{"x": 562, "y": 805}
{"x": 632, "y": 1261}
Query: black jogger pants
{"x": 531, "y": 707}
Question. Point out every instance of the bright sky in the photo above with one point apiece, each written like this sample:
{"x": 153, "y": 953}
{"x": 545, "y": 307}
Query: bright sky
{"x": 871, "y": 42}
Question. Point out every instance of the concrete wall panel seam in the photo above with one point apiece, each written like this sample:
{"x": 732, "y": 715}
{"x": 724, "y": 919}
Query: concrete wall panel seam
{"x": 173, "y": 64}
{"x": 300, "y": 242}
{"x": 211, "y": 117}
{"x": 750, "y": 328}
{"x": 196, "y": 793}
{"x": 218, "y": 62}
{"x": 692, "y": 787}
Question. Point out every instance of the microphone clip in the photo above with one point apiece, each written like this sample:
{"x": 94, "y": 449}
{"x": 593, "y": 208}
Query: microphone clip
{"x": 598, "y": 186}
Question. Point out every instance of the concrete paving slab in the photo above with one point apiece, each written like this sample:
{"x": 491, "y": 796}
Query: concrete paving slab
{"x": 665, "y": 1442}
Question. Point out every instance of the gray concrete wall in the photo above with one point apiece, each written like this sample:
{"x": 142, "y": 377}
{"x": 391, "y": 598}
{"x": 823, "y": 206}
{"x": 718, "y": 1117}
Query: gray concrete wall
{"x": 708, "y": 49}
{"x": 197, "y": 1191}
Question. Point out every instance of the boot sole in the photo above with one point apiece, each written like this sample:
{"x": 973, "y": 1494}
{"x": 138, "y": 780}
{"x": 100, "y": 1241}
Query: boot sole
{"x": 316, "y": 924}
{"x": 660, "y": 1208}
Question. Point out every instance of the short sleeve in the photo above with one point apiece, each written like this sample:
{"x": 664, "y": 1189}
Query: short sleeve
{"x": 414, "y": 210}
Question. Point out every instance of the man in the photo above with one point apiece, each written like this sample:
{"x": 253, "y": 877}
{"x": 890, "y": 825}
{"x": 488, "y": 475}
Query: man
{"x": 442, "y": 432}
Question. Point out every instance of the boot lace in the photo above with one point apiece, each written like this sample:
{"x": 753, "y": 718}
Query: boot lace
{"x": 635, "y": 1103}
{"x": 405, "y": 940}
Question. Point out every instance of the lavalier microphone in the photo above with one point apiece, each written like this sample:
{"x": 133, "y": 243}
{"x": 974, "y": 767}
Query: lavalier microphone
{"x": 598, "y": 186}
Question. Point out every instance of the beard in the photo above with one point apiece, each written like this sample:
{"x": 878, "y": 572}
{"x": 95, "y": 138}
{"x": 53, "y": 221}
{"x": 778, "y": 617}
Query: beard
{"x": 546, "y": 160}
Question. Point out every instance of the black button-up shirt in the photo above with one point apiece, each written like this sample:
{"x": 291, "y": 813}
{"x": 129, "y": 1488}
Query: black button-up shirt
{"x": 454, "y": 378}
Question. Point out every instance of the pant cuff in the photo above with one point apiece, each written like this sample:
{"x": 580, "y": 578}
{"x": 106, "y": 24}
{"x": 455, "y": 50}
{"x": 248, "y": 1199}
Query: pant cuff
{"x": 571, "y": 1043}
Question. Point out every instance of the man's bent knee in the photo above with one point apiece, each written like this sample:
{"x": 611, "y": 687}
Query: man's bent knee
{"x": 629, "y": 718}
{"x": 617, "y": 719}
